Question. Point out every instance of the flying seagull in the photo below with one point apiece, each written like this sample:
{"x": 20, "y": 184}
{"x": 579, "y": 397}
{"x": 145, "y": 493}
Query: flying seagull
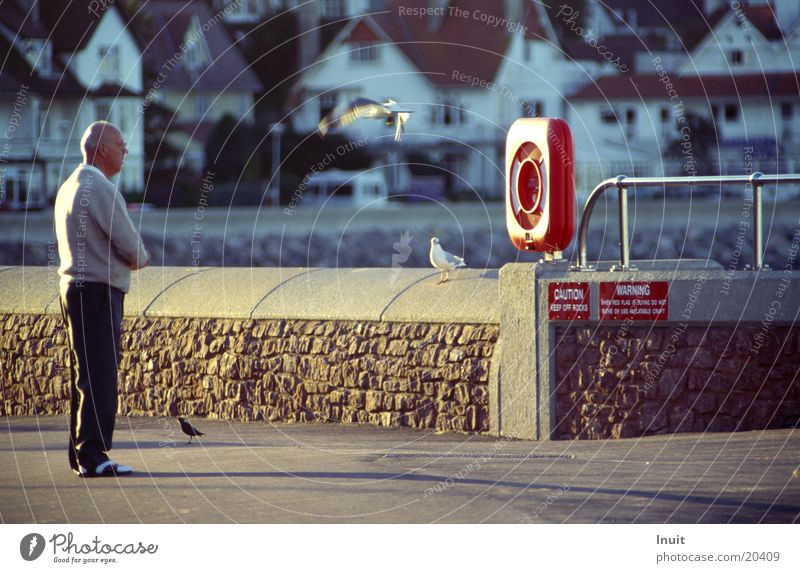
{"x": 365, "y": 108}
{"x": 444, "y": 261}
{"x": 189, "y": 430}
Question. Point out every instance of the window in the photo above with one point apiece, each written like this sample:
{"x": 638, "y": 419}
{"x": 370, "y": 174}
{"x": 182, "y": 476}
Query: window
{"x": 731, "y": 112}
{"x": 46, "y": 59}
{"x": 608, "y": 116}
{"x": 39, "y": 54}
{"x": 535, "y": 109}
{"x": 327, "y": 102}
{"x": 364, "y": 52}
{"x": 16, "y": 188}
{"x": 64, "y": 127}
{"x": 736, "y": 57}
{"x": 191, "y": 59}
{"x": 43, "y": 127}
{"x": 528, "y": 48}
{"x": 200, "y": 105}
{"x": 197, "y": 56}
{"x": 102, "y": 111}
{"x": 449, "y": 112}
{"x": 334, "y": 9}
{"x": 109, "y": 61}
{"x": 665, "y": 115}
{"x": 122, "y": 113}
{"x": 787, "y": 110}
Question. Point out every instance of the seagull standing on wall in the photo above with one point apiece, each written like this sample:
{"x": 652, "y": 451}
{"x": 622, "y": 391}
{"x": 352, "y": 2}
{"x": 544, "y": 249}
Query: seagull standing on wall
{"x": 365, "y": 108}
{"x": 444, "y": 261}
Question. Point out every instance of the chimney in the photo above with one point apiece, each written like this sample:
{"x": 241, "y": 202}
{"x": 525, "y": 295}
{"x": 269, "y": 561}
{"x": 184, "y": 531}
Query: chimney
{"x": 309, "y": 28}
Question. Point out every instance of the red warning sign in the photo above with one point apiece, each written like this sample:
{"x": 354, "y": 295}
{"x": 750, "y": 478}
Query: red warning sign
{"x": 568, "y": 301}
{"x": 634, "y": 301}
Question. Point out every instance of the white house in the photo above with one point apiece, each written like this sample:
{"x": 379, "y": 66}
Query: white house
{"x": 65, "y": 68}
{"x": 739, "y": 76}
{"x": 200, "y": 74}
{"x": 466, "y": 69}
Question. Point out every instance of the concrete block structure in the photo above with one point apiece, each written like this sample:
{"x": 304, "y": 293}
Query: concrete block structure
{"x": 688, "y": 347}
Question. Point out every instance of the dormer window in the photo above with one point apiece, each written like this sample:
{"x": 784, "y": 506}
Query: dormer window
{"x": 196, "y": 56}
{"x": 109, "y": 62}
{"x": 365, "y": 52}
{"x": 39, "y": 54}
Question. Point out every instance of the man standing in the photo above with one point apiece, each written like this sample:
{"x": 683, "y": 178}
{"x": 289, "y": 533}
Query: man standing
{"x": 98, "y": 246}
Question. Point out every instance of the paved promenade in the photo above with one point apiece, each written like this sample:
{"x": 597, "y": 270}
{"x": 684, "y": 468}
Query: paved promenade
{"x": 315, "y": 473}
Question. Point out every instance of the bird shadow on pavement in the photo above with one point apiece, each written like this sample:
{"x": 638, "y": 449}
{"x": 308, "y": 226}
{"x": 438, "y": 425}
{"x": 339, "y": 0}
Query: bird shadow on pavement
{"x": 708, "y": 500}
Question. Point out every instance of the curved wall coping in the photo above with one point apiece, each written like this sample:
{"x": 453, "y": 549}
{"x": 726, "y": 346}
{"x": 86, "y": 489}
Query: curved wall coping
{"x": 374, "y": 294}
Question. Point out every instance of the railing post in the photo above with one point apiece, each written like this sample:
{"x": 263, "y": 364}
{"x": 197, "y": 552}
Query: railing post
{"x": 624, "y": 248}
{"x": 758, "y": 227}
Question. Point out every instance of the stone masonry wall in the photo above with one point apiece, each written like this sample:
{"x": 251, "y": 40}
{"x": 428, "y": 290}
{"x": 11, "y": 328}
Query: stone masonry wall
{"x": 624, "y": 381}
{"x": 383, "y": 374}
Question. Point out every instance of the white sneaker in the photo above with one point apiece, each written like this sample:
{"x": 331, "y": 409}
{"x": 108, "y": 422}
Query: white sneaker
{"x": 110, "y": 468}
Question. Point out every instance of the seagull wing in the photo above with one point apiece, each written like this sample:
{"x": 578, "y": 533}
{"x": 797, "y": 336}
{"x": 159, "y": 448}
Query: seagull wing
{"x": 402, "y": 119}
{"x": 454, "y": 261}
{"x": 357, "y": 109}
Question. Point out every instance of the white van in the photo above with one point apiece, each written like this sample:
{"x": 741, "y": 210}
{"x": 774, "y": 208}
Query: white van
{"x": 357, "y": 187}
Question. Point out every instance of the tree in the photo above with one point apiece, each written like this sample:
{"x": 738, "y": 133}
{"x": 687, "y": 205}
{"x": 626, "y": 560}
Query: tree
{"x": 272, "y": 49}
{"x": 229, "y": 149}
{"x": 696, "y": 145}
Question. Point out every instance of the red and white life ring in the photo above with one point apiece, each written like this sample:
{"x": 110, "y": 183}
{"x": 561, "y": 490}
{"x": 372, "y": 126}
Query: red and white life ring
{"x": 540, "y": 189}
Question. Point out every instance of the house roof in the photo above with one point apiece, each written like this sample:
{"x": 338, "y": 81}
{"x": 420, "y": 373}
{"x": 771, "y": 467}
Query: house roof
{"x": 72, "y": 25}
{"x": 228, "y": 69}
{"x": 761, "y": 17}
{"x": 651, "y": 86}
{"x": 622, "y": 47}
{"x": 652, "y": 14}
{"x": 198, "y": 131}
{"x": 17, "y": 72}
{"x": 20, "y": 21}
{"x": 454, "y": 42}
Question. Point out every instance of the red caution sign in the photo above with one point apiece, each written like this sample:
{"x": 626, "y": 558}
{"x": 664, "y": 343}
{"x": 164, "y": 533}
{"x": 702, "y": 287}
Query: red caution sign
{"x": 568, "y": 301}
{"x": 634, "y": 301}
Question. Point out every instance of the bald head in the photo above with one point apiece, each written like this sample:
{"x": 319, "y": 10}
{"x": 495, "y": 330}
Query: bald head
{"x": 102, "y": 145}
{"x": 95, "y": 134}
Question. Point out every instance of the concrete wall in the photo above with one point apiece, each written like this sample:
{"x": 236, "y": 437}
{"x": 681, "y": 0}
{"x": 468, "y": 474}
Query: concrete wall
{"x": 390, "y": 347}
{"x": 372, "y": 346}
{"x": 727, "y": 357}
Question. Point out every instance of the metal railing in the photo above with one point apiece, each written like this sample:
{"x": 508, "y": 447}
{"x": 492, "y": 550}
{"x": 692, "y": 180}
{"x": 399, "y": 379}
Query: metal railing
{"x": 622, "y": 183}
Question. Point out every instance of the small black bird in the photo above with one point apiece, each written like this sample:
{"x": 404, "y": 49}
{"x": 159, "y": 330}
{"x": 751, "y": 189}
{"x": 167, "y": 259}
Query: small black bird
{"x": 189, "y": 430}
